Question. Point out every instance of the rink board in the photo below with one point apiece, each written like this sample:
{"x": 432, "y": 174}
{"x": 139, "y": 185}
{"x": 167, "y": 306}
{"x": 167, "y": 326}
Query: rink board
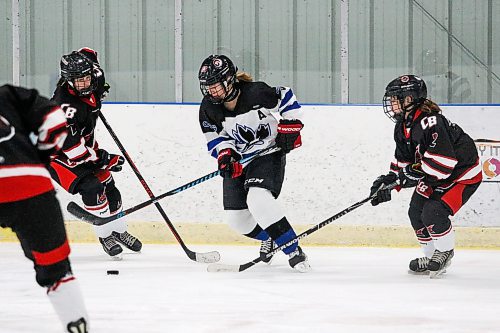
{"x": 331, "y": 235}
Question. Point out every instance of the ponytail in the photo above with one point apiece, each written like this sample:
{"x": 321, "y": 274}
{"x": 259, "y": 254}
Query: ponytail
{"x": 429, "y": 106}
{"x": 244, "y": 76}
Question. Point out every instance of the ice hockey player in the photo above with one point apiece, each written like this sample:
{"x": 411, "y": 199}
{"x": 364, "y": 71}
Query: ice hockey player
{"x": 436, "y": 157}
{"x": 28, "y": 203}
{"x": 240, "y": 118}
{"x": 82, "y": 166}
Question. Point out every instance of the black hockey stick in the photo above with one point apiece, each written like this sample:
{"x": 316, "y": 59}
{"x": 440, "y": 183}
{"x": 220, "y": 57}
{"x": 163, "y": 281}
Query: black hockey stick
{"x": 206, "y": 257}
{"x": 216, "y": 267}
{"x": 85, "y": 216}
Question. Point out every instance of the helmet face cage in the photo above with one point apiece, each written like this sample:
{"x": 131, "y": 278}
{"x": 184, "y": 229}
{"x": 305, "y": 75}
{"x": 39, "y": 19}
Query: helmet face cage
{"x": 75, "y": 66}
{"x": 398, "y": 89}
{"x": 218, "y": 69}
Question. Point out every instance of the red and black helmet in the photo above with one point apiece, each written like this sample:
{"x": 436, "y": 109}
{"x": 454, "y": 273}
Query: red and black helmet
{"x": 218, "y": 69}
{"x": 401, "y": 87}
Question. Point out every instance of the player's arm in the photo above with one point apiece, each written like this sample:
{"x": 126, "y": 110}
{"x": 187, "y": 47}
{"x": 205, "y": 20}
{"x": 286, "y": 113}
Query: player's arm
{"x": 290, "y": 125}
{"x": 75, "y": 147}
{"x": 439, "y": 159}
{"x": 103, "y": 87}
{"x": 216, "y": 136}
{"x": 45, "y": 119}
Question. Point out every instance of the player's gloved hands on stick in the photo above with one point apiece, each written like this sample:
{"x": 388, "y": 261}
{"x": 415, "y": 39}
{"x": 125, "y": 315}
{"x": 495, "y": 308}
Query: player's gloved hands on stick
{"x": 383, "y": 194}
{"x": 288, "y": 137}
{"x": 109, "y": 161}
{"x": 410, "y": 175}
{"x": 229, "y": 166}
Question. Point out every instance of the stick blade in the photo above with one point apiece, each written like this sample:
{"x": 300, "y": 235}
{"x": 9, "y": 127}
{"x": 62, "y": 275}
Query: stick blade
{"x": 208, "y": 257}
{"x": 223, "y": 268}
{"x": 78, "y": 212}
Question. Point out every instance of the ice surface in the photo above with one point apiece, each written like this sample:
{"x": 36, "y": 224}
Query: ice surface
{"x": 349, "y": 290}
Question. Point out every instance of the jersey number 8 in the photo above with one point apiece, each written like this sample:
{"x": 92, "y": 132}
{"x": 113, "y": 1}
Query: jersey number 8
{"x": 68, "y": 110}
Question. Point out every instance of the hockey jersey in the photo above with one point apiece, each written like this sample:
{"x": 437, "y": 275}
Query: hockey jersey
{"x": 81, "y": 113}
{"x": 23, "y": 112}
{"x": 252, "y": 125}
{"x": 446, "y": 153}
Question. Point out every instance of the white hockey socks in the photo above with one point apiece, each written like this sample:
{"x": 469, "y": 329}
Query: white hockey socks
{"x": 67, "y": 300}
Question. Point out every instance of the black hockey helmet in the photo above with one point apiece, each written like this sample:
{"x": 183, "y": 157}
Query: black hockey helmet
{"x": 76, "y": 65}
{"x": 400, "y": 88}
{"x": 218, "y": 69}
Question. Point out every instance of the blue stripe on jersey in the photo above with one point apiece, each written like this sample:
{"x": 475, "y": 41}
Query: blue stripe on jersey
{"x": 286, "y": 99}
{"x": 294, "y": 106}
{"x": 285, "y": 238}
{"x": 214, "y": 153}
{"x": 211, "y": 145}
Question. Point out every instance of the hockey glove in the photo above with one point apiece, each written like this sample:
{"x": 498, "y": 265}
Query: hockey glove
{"x": 410, "y": 175}
{"x": 383, "y": 195}
{"x": 105, "y": 90}
{"x": 288, "y": 137}
{"x": 109, "y": 161}
{"x": 229, "y": 166}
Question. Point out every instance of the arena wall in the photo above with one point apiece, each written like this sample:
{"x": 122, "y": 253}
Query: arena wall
{"x": 344, "y": 149}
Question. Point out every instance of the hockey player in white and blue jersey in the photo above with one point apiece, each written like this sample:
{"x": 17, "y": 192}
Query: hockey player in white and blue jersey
{"x": 239, "y": 119}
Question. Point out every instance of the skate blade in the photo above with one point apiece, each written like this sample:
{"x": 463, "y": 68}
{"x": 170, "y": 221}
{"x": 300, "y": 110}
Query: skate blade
{"x": 427, "y": 272}
{"x": 118, "y": 257}
{"x": 437, "y": 274}
{"x": 302, "y": 267}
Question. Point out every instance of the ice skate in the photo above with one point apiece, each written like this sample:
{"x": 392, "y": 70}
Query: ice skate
{"x": 129, "y": 241}
{"x": 419, "y": 266}
{"x": 111, "y": 247}
{"x": 439, "y": 262}
{"x": 298, "y": 261}
{"x": 266, "y": 247}
{"x": 79, "y": 326}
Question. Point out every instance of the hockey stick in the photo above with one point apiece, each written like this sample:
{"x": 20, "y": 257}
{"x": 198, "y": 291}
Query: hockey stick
{"x": 85, "y": 216}
{"x": 216, "y": 267}
{"x": 206, "y": 257}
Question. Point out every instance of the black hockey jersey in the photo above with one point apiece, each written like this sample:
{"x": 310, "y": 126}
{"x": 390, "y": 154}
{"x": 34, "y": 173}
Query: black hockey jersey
{"x": 81, "y": 113}
{"x": 446, "y": 153}
{"x": 252, "y": 125}
{"x": 24, "y": 112}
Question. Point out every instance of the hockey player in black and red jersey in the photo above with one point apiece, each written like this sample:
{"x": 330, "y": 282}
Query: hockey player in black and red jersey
{"x": 436, "y": 157}
{"x": 240, "y": 118}
{"x": 28, "y": 203}
{"x": 82, "y": 166}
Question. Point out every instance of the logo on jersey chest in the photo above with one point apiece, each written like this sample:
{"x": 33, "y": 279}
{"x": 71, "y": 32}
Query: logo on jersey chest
{"x": 249, "y": 137}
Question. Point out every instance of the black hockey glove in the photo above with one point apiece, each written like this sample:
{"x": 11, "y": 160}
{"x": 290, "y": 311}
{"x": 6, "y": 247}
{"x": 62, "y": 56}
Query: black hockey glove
{"x": 229, "y": 166}
{"x": 288, "y": 137}
{"x": 383, "y": 195}
{"x": 410, "y": 175}
{"x": 105, "y": 90}
{"x": 109, "y": 161}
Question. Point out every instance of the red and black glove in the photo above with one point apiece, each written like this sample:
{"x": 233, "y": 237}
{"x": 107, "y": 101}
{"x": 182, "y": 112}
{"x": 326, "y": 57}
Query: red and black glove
{"x": 288, "y": 137}
{"x": 229, "y": 166}
{"x": 109, "y": 161}
{"x": 410, "y": 175}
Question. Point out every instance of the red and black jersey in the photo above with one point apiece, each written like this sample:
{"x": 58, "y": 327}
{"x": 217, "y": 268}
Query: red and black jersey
{"x": 24, "y": 113}
{"x": 81, "y": 113}
{"x": 446, "y": 153}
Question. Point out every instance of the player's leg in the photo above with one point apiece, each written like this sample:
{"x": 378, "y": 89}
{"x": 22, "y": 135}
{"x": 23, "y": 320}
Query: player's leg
{"x": 120, "y": 232}
{"x": 238, "y": 217}
{"x": 95, "y": 200}
{"x": 263, "y": 179}
{"x": 435, "y": 215}
{"x": 420, "y": 265}
{"x": 39, "y": 225}
{"x": 80, "y": 179}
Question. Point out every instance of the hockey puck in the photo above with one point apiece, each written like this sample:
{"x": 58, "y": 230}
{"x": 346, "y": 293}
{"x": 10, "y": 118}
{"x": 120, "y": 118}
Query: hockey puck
{"x": 113, "y": 272}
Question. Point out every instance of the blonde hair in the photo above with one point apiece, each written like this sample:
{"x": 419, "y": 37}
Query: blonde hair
{"x": 244, "y": 76}
{"x": 429, "y": 106}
